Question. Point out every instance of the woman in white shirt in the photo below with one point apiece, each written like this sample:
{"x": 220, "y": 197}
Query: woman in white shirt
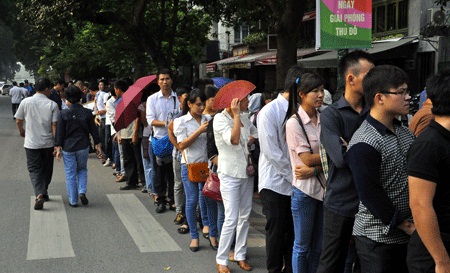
{"x": 302, "y": 136}
{"x": 190, "y": 131}
{"x": 233, "y": 134}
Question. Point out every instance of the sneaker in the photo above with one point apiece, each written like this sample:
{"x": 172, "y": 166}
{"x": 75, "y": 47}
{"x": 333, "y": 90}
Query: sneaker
{"x": 83, "y": 199}
{"x": 107, "y": 163}
{"x": 144, "y": 190}
{"x": 179, "y": 220}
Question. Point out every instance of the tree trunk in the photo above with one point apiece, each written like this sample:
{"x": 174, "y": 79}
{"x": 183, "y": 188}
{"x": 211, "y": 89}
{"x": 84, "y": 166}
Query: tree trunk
{"x": 287, "y": 27}
{"x": 286, "y": 57}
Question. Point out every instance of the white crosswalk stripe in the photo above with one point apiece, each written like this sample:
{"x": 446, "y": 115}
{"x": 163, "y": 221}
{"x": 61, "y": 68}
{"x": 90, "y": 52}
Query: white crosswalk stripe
{"x": 146, "y": 232}
{"x": 49, "y": 235}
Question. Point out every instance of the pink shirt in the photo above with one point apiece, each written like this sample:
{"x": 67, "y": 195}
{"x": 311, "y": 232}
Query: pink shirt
{"x": 297, "y": 144}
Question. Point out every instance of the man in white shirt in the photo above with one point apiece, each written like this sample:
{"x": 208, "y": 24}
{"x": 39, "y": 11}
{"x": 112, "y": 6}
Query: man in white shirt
{"x": 275, "y": 179}
{"x": 162, "y": 107}
{"x": 17, "y": 95}
{"x": 40, "y": 115}
{"x": 101, "y": 113}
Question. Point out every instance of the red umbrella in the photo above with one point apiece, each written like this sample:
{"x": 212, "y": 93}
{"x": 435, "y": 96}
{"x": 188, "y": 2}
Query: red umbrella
{"x": 124, "y": 115}
{"x": 127, "y": 108}
{"x": 134, "y": 92}
{"x": 237, "y": 89}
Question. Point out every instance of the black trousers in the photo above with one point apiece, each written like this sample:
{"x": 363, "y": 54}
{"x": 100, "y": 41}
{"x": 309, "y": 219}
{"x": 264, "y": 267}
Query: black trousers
{"x": 279, "y": 231}
{"x": 129, "y": 162}
{"x": 337, "y": 232}
{"x": 378, "y": 257}
{"x": 14, "y": 108}
{"x": 164, "y": 182}
{"x": 108, "y": 143}
{"x": 40, "y": 168}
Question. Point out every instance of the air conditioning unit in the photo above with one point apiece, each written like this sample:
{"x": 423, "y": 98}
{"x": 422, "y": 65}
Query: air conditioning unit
{"x": 439, "y": 17}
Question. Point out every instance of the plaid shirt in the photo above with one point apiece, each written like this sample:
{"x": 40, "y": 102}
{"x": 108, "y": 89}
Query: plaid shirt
{"x": 377, "y": 159}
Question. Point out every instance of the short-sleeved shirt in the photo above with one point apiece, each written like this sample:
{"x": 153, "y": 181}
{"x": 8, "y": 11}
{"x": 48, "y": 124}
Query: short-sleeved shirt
{"x": 297, "y": 143}
{"x": 429, "y": 159}
{"x": 17, "y": 94}
{"x": 38, "y": 112}
{"x": 100, "y": 97}
{"x": 162, "y": 108}
{"x": 185, "y": 126}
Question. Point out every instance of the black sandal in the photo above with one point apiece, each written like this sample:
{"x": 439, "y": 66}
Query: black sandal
{"x": 183, "y": 229}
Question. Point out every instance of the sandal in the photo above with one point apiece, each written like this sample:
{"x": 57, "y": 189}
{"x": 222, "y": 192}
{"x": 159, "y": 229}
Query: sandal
{"x": 244, "y": 265}
{"x": 183, "y": 229}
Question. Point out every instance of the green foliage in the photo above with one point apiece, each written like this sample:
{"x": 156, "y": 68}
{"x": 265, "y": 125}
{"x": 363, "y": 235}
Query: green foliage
{"x": 92, "y": 39}
{"x": 255, "y": 38}
{"x": 442, "y": 3}
{"x": 8, "y": 61}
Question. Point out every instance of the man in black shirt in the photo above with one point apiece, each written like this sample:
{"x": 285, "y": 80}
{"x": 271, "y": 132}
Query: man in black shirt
{"x": 339, "y": 121}
{"x": 428, "y": 165}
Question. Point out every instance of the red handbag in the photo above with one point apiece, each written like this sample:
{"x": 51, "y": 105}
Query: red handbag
{"x": 211, "y": 189}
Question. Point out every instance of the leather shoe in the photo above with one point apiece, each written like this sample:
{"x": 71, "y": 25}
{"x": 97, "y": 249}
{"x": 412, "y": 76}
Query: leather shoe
{"x": 121, "y": 179}
{"x": 83, "y": 199}
{"x": 244, "y": 265}
{"x": 160, "y": 208}
{"x": 222, "y": 268}
{"x": 39, "y": 202}
{"x": 127, "y": 187}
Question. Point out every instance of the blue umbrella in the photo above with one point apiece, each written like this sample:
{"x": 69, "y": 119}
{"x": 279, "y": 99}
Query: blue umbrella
{"x": 221, "y": 81}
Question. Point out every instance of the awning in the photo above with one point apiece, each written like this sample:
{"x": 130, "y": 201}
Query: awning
{"x": 329, "y": 59}
{"x": 212, "y": 67}
{"x": 272, "y": 59}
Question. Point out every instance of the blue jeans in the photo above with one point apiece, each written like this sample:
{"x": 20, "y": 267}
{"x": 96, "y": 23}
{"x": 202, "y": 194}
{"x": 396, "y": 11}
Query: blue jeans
{"x": 220, "y": 216}
{"x": 193, "y": 191}
{"x": 307, "y": 213}
{"x": 116, "y": 156}
{"x": 75, "y": 164}
{"x": 149, "y": 169}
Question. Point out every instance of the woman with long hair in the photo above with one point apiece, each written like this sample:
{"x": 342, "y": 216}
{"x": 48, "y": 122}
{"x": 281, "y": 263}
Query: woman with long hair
{"x": 190, "y": 131}
{"x": 302, "y": 136}
{"x": 233, "y": 135}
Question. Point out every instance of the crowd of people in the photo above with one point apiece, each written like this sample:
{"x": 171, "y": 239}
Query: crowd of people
{"x": 345, "y": 186}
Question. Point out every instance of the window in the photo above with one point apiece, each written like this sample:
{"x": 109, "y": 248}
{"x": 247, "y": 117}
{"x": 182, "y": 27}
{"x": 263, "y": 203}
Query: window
{"x": 390, "y": 17}
{"x": 240, "y": 32}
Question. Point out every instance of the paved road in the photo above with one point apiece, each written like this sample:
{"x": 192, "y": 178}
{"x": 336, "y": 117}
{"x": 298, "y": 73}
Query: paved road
{"x": 117, "y": 231}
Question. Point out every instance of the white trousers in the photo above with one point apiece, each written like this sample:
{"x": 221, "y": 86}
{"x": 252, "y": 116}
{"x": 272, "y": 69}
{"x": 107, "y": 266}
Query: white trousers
{"x": 237, "y": 194}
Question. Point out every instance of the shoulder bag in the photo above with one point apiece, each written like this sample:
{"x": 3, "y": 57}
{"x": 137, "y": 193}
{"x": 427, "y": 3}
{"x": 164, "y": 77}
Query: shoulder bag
{"x": 197, "y": 172}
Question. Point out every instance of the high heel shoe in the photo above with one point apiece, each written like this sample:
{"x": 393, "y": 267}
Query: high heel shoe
{"x": 194, "y": 248}
{"x": 214, "y": 247}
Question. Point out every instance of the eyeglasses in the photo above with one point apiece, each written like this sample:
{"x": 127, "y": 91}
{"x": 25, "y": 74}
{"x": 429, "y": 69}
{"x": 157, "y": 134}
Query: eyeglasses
{"x": 400, "y": 91}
